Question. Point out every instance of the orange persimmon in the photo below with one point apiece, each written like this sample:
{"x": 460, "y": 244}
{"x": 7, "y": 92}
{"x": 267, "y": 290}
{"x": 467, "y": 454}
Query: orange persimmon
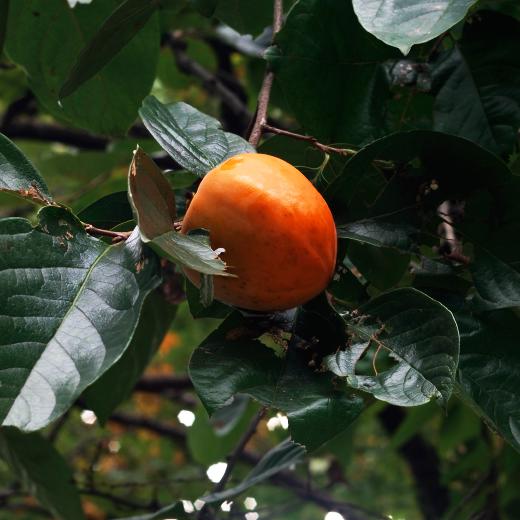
{"x": 277, "y": 231}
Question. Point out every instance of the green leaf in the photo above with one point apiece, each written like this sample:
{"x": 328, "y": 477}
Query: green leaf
{"x": 117, "y": 383}
{"x": 193, "y": 139}
{"x": 478, "y": 96}
{"x": 165, "y": 513}
{"x": 458, "y": 166}
{"x": 4, "y": 12}
{"x": 151, "y": 197}
{"x": 116, "y": 32}
{"x": 193, "y": 251}
{"x": 229, "y": 362}
{"x": 489, "y": 370}
{"x": 421, "y": 336}
{"x": 70, "y": 305}
{"x": 497, "y": 283}
{"x": 404, "y": 23}
{"x": 275, "y": 460}
{"x": 108, "y": 211}
{"x": 108, "y": 102}
{"x": 18, "y": 176}
{"x": 335, "y": 86}
{"x": 383, "y": 267}
{"x": 42, "y": 471}
{"x": 383, "y": 231}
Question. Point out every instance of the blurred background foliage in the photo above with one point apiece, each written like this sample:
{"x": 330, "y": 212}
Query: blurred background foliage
{"x": 394, "y": 461}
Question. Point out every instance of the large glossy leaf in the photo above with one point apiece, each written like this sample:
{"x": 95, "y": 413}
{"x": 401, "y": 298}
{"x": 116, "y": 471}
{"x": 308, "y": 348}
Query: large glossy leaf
{"x": 151, "y": 196}
{"x": 18, "y": 175}
{"x": 117, "y": 30}
{"x": 275, "y": 460}
{"x": 70, "y": 305}
{"x": 489, "y": 370}
{"x": 335, "y": 86}
{"x": 193, "y": 139}
{"x": 108, "y": 102}
{"x": 404, "y": 23}
{"x": 229, "y": 362}
{"x": 117, "y": 383}
{"x": 421, "y": 336}
{"x": 43, "y": 472}
{"x": 478, "y": 84}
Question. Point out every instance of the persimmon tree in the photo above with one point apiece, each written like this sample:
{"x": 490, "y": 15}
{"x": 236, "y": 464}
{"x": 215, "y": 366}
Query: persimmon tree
{"x": 403, "y": 115}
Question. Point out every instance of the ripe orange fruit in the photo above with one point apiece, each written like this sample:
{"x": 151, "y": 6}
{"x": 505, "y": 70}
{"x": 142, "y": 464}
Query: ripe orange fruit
{"x": 277, "y": 231}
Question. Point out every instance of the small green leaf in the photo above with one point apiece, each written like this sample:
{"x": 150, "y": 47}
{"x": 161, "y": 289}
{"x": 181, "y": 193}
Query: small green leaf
{"x": 151, "y": 197}
{"x": 420, "y": 334}
{"x": 206, "y": 290}
{"x": 381, "y": 232}
{"x": 404, "y": 23}
{"x": 18, "y": 176}
{"x": 42, "y": 471}
{"x": 70, "y": 305}
{"x": 193, "y": 251}
{"x": 117, "y": 383}
{"x": 192, "y": 138}
{"x": 275, "y": 460}
{"x": 117, "y": 30}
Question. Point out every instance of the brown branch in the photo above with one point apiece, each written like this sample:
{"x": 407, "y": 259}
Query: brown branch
{"x": 116, "y": 235}
{"x": 267, "y": 84}
{"x": 433, "y": 496}
{"x": 54, "y": 133}
{"x": 311, "y": 140}
{"x": 209, "y": 81}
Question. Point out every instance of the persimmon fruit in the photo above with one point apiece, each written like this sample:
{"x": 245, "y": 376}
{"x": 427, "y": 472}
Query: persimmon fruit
{"x": 277, "y": 231}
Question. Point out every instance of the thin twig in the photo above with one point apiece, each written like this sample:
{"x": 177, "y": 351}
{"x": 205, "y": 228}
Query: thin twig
{"x": 311, "y": 140}
{"x": 267, "y": 84}
{"x": 118, "y": 235}
{"x": 237, "y": 452}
